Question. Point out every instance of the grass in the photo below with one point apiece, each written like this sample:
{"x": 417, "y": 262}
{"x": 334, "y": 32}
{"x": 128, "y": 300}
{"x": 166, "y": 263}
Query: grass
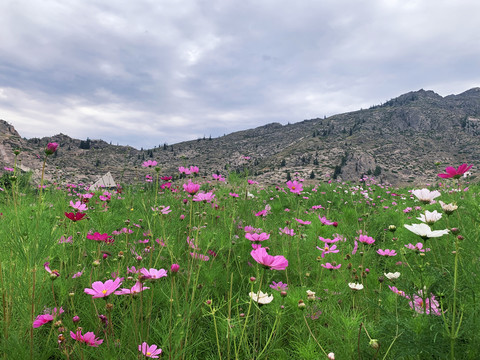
{"x": 204, "y": 310}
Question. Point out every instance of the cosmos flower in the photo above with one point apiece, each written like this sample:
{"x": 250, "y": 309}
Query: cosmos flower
{"x": 426, "y": 196}
{"x": 424, "y": 231}
{"x": 101, "y": 237}
{"x": 418, "y": 247}
{"x": 429, "y": 306}
{"x": 51, "y": 148}
{"x": 78, "y": 205}
{"x": 330, "y": 266}
{"x": 280, "y": 286}
{"x": 191, "y": 187}
{"x": 47, "y": 317}
{"x": 150, "y": 351}
{"x": 153, "y": 273}
{"x": 302, "y": 222}
{"x": 100, "y": 289}
{"x": 206, "y": 197}
{"x": 135, "y": 289}
{"x": 295, "y": 187}
{"x": 328, "y": 249}
{"x": 261, "y": 298}
{"x": 88, "y": 338}
{"x": 325, "y": 221}
{"x": 355, "y": 286}
{"x": 149, "y": 163}
{"x": 451, "y": 172}
{"x": 392, "y": 276}
{"x": 257, "y": 237}
{"x": 430, "y": 217}
{"x": 261, "y": 256}
{"x": 386, "y": 252}
{"x": 448, "y": 208}
{"x": 75, "y": 216}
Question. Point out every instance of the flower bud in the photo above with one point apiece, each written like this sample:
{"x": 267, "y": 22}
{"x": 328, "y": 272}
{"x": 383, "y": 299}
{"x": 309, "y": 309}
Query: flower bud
{"x": 51, "y": 148}
{"x": 455, "y": 230}
{"x": 392, "y": 228}
{"x": 283, "y": 293}
{"x": 374, "y": 343}
{"x": 96, "y": 263}
{"x": 76, "y": 319}
{"x": 301, "y": 304}
{"x": 174, "y": 268}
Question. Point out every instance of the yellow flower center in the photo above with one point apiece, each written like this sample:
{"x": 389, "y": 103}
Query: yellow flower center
{"x": 293, "y": 187}
{"x": 104, "y": 292}
{"x": 148, "y": 353}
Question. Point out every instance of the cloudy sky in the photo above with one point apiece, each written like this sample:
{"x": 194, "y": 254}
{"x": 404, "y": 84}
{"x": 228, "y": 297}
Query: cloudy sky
{"x": 146, "y": 72}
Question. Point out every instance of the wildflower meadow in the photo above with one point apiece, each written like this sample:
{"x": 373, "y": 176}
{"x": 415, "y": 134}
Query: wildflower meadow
{"x": 184, "y": 266}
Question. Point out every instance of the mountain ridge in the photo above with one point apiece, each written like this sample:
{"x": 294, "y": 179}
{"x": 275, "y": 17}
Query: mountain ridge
{"x": 400, "y": 141}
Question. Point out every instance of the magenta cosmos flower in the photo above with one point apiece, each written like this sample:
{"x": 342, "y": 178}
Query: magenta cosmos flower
{"x": 451, "y": 172}
{"x": 150, "y": 351}
{"x": 364, "y": 238}
{"x": 100, "y": 289}
{"x": 386, "y": 252}
{"x": 100, "y": 237}
{"x": 88, "y": 338}
{"x": 51, "y": 148}
{"x": 191, "y": 187}
{"x": 327, "y": 250}
{"x": 295, "y": 187}
{"x": 261, "y": 256}
{"x": 46, "y": 318}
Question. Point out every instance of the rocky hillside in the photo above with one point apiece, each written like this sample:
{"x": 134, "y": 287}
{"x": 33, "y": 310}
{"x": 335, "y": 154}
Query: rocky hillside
{"x": 406, "y": 140}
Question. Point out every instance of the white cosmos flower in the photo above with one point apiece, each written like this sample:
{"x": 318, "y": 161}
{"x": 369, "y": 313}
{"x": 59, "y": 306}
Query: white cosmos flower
{"x": 261, "y": 298}
{"x": 355, "y": 286}
{"x": 392, "y": 276}
{"x": 424, "y": 231}
{"x": 430, "y": 217}
{"x": 448, "y": 208}
{"x": 426, "y": 195}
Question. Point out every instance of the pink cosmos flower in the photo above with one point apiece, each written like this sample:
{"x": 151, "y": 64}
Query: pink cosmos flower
{"x": 51, "y": 148}
{"x": 218, "y": 177}
{"x": 451, "y": 172}
{"x": 88, "y": 338}
{"x": 355, "y": 247}
{"x": 78, "y": 274}
{"x": 325, "y": 221}
{"x": 257, "y": 237}
{"x": 150, "y": 351}
{"x": 135, "y": 289}
{"x": 100, "y": 289}
{"x": 78, "y": 205}
{"x": 303, "y": 222}
{"x": 363, "y": 238}
{"x": 63, "y": 240}
{"x": 295, "y": 187}
{"x": 149, "y": 163}
{"x": 386, "y": 252}
{"x": 398, "y": 292}
{"x": 286, "y": 231}
{"x": 329, "y": 241}
{"x": 8, "y": 169}
{"x": 206, "y": 197}
{"x": 235, "y": 195}
{"x": 417, "y": 247}
{"x": 430, "y": 306}
{"x": 153, "y": 273}
{"x": 330, "y": 266}
{"x": 194, "y": 170}
{"x": 261, "y": 256}
{"x": 191, "y": 187}
{"x": 166, "y": 178}
{"x": 280, "y": 286}
{"x": 327, "y": 250}
{"x": 53, "y": 273}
